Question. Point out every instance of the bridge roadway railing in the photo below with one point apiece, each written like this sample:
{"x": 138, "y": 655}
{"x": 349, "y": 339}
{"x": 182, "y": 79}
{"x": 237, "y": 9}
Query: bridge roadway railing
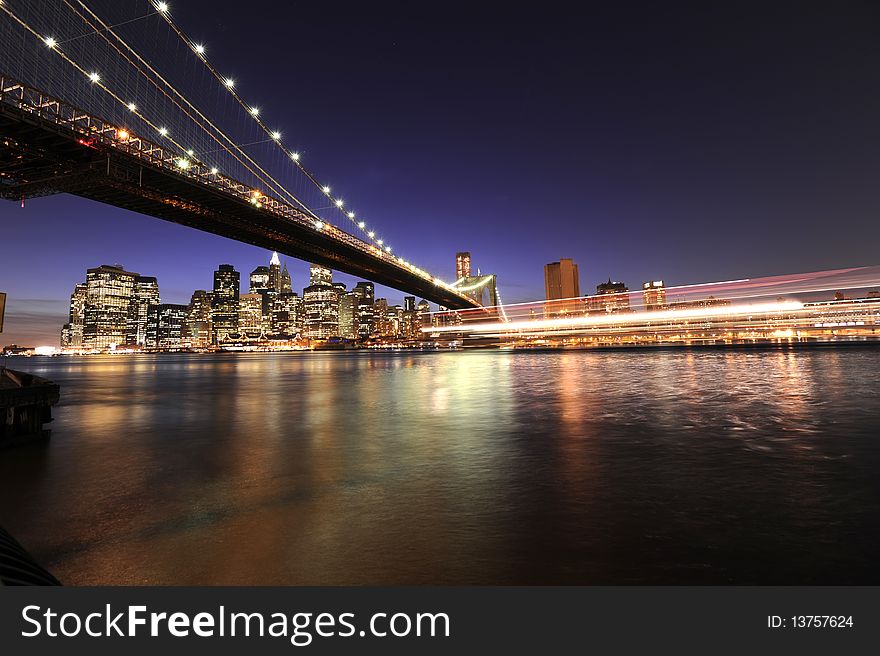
{"x": 93, "y": 129}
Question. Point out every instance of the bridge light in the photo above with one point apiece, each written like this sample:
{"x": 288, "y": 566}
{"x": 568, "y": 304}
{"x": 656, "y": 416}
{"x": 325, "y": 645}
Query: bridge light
{"x": 294, "y": 157}
{"x": 319, "y": 225}
{"x": 339, "y": 202}
{"x": 379, "y": 241}
{"x": 388, "y": 249}
{"x": 50, "y": 42}
{"x": 214, "y": 171}
{"x": 351, "y": 215}
{"x": 255, "y": 111}
{"x": 183, "y": 163}
{"x": 326, "y": 190}
{"x": 132, "y": 107}
{"x": 162, "y": 7}
{"x": 191, "y": 152}
{"x": 371, "y": 234}
{"x": 122, "y": 134}
{"x": 94, "y": 77}
{"x": 276, "y": 135}
{"x": 163, "y": 132}
{"x": 229, "y": 82}
{"x": 362, "y": 225}
{"x": 199, "y": 48}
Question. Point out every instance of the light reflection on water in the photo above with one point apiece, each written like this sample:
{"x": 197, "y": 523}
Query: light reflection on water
{"x": 483, "y": 467}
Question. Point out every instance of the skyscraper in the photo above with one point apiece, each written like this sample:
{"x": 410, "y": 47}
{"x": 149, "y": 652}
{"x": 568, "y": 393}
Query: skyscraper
{"x": 108, "y": 300}
{"x": 654, "y": 294}
{"x": 224, "y": 302}
{"x": 275, "y": 273}
{"x": 287, "y": 315}
{"x": 462, "y": 265}
{"x": 366, "y": 319}
{"x": 321, "y": 306}
{"x": 144, "y": 294}
{"x": 381, "y": 327}
{"x": 250, "y": 315}
{"x": 72, "y": 332}
{"x": 259, "y": 280}
{"x": 198, "y": 319}
{"x": 286, "y": 282}
{"x": 319, "y": 275}
{"x": 166, "y": 327}
{"x": 561, "y": 280}
{"x": 348, "y": 315}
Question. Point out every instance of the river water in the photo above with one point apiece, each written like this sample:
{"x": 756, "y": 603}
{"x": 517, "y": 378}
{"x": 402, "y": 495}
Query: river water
{"x": 615, "y": 467}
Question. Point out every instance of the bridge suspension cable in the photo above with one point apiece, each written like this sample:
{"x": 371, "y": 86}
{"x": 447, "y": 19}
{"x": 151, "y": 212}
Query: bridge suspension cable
{"x": 95, "y": 77}
{"x": 270, "y": 182}
{"x": 274, "y": 135}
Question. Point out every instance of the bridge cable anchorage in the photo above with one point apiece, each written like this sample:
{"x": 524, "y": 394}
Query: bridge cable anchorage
{"x": 277, "y": 187}
{"x": 229, "y": 85}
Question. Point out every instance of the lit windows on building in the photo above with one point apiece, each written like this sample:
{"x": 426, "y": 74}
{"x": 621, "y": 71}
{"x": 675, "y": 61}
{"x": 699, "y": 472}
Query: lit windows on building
{"x": 654, "y": 295}
{"x": 108, "y": 301}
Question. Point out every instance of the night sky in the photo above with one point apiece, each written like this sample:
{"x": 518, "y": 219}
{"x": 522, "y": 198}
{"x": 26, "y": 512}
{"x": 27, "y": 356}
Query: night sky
{"x": 646, "y": 140}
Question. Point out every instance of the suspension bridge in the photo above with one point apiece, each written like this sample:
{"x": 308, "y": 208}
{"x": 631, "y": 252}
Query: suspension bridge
{"x": 114, "y": 102}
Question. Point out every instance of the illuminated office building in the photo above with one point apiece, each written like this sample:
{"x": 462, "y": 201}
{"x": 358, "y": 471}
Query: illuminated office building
{"x": 348, "y": 315}
{"x": 250, "y": 315}
{"x": 224, "y": 303}
{"x": 610, "y": 297}
{"x": 144, "y": 294}
{"x": 259, "y": 280}
{"x": 381, "y": 327}
{"x": 198, "y": 319}
{"x": 72, "y": 332}
{"x": 275, "y": 273}
{"x": 366, "y": 317}
{"x": 321, "y": 305}
{"x": 166, "y": 327}
{"x": 108, "y": 301}
{"x": 654, "y": 295}
{"x": 319, "y": 275}
{"x": 287, "y": 315}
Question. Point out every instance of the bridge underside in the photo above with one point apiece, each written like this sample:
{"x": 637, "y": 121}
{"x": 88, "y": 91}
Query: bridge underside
{"x": 38, "y": 158}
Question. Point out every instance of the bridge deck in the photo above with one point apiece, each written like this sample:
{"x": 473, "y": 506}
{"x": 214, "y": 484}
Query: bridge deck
{"x": 47, "y": 146}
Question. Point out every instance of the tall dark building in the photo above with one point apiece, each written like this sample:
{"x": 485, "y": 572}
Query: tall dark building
{"x": 366, "y": 317}
{"x": 166, "y": 327}
{"x": 286, "y": 282}
{"x": 224, "y": 302}
{"x": 144, "y": 294}
{"x": 259, "y": 280}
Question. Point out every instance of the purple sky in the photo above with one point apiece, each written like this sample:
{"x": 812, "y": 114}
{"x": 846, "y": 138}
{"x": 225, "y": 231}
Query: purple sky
{"x": 689, "y": 143}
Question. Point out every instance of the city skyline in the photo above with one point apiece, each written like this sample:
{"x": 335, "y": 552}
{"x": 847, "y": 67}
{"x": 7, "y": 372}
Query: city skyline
{"x": 741, "y": 168}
